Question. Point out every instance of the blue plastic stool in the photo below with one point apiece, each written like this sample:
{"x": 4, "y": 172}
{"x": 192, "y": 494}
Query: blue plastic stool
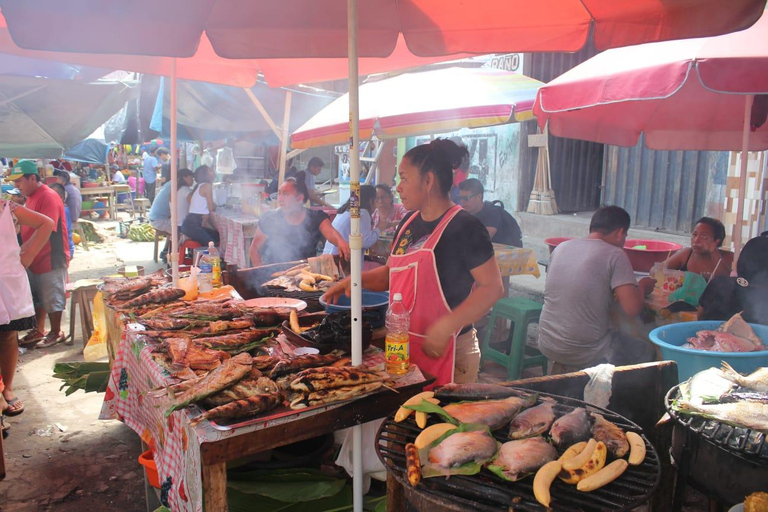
{"x": 522, "y": 312}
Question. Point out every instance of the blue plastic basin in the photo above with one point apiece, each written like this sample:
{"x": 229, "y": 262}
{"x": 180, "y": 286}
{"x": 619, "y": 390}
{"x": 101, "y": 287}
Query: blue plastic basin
{"x": 669, "y": 339}
{"x": 375, "y": 301}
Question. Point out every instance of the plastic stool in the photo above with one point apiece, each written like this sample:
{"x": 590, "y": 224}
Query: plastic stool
{"x": 521, "y": 312}
{"x": 188, "y": 244}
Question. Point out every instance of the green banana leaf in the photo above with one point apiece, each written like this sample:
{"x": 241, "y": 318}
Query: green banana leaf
{"x": 430, "y": 408}
{"x": 469, "y": 468}
{"x": 287, "y": 487}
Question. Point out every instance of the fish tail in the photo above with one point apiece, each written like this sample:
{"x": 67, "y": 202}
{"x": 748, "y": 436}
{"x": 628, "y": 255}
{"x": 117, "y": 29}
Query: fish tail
{"x": 729, "y": 373}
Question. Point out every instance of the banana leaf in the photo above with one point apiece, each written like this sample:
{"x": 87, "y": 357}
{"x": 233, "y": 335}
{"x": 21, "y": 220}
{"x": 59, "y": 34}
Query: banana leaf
{"x": 91, "y": 377}
{"x": 430, "y": 408}
{"x": 287, "y": 487}
{"x": 468, "y": 468}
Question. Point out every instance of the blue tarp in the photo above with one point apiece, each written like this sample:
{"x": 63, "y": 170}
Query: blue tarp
{"x": 89, "y": 151}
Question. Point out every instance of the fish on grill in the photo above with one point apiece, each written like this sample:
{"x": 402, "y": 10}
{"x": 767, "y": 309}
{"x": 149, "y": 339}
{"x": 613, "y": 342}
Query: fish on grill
{"x": 516, "y": 459}
{"x": 462, "y": 447}
{"x": 757, "y": 380}
{"x": 165, "y": 324}
{"x": 186, "y": 353}
{"x": 492, "y": 413}
{"x": 328, "y": 377}
{"x": 226, "y": 325}
{"x": 236, "y": 342}
{"x": 222, "y": 377}
{"x": 743, "y": 395}
{"x": 704, "y": 385}
{"x": 570, "y": 429}
{"x": 296, "y": 364}
{"x": 534, "y": 421}
{"x": 158, "y": 296}
{"x": 126, "y": 288}
{"x": 477, "y": 391}
{"x": 247, "y": 386}
{"x": 614, "y": 438}
{"x": 250, "y": 406}
{"x": 752, "y": 415}
{"x": 326, "y": 396}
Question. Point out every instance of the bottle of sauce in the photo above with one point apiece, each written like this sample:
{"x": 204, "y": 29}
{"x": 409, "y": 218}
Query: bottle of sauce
{"x": 397, "y": 347}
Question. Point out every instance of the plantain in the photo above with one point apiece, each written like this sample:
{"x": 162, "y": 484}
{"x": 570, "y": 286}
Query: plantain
{"x": 595, "y": 463}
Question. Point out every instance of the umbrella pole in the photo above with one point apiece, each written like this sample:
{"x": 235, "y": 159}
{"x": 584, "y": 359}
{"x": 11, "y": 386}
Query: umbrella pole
{"x": 748, "y": 100}
{"x": 355, "y": 240}
{"x": 174, "y": 256}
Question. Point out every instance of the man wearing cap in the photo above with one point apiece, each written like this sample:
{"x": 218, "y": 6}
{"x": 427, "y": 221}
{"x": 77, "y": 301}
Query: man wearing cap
{"x": 149, "y": 173}
{"x": 48, "y": 271}
{"x": 74, "y": 199}
{"x": 314, "y": 168}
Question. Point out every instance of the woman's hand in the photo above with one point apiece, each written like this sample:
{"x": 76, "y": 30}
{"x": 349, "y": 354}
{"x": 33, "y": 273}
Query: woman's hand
{"x": 438, "y": 338}
{"x": 26, "y": 258}
{"x": 344, "y": 250}
{"x": 343, "y": 287}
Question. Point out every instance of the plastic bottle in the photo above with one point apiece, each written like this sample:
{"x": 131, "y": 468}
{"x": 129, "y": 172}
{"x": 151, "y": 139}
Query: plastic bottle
{"x": 398, "y": 352}
{"x": 213, "y": 258}
{"x": 205, "y": 277}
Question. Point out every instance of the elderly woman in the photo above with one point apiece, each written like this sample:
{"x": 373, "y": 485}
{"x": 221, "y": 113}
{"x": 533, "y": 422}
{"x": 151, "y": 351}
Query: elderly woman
{"x": 292, "y": 232}
{"x": 703, "y": 256}
{"x": 387, "y": 215}
{"x": 16, "y": 305}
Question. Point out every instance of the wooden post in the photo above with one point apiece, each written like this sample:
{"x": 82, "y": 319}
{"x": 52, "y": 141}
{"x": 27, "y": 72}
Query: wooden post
{"x": 284, "y": 137}
{"x": 214, "y": 478}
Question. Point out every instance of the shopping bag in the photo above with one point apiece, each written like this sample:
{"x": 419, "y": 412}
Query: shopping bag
{"x": 15, "y": 293}
{"x": 691, "y": 290}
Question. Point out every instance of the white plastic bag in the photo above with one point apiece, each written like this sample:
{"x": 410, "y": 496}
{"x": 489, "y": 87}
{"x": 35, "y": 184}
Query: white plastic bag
{"x": 372, "y": 466}
{"x": 599, "y": 388}
{"x": 225, "y": 161}
{"x": 15, "y": 293}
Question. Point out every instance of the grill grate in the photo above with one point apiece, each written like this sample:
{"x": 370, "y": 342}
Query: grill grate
{"x": 487, "y": 492}
{"x": 742, "y": 442}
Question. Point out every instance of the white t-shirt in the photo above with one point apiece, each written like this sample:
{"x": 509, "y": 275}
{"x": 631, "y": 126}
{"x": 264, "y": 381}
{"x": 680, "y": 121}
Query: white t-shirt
{"x": 182, "y": 205}
{"x": 118, "y": 177}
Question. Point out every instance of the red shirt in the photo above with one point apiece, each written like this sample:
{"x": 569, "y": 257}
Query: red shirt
{"x": 55, "y": 252}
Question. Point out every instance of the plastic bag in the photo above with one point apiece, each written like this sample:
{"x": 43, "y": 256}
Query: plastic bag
{"x": 97, "y": 345}
{"x": 599, "y": 388}
{"x": 225, "y": 161}
{"x": 691, "y": 290}
{"x": 372, "y": 466}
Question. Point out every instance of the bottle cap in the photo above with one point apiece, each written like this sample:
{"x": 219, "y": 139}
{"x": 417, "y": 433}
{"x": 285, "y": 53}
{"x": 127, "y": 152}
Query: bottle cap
{"x": 210, "y": 244}
{"x": 397, "y": 297}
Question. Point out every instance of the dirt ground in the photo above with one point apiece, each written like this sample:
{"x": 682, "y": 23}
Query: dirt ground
{"x": 59, "y": 455}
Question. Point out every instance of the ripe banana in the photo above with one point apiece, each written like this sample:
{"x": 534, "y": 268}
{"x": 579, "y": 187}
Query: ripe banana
{"x": 603, "y": 477}
{"x": 421, "y": 417}
{"x": 595, "y": 463}
{"x": 636, "y": 449}
{"x": 582, "y": 458}
{"x": 412, "y": 464}
{"x": 403, "y": 413}
{"x": 543, "y": 481}
{"x": 431, "y": 433}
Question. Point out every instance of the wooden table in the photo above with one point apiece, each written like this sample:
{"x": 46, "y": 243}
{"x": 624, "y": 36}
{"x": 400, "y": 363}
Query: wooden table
{"x": 192, "y": 459}
{"x": 109, "y": 192}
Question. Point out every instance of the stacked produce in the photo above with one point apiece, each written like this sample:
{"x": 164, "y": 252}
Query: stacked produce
{"x": 514, "y": 435}
{"x": 141, "y": 232}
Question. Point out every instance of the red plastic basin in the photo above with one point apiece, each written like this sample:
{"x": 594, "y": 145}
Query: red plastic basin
{"x": 554, "y": 242}
{"x": 655, "y": 251}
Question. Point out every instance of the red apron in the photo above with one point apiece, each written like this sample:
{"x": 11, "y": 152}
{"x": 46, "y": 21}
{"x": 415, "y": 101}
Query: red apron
{"x": 414, "y": 275}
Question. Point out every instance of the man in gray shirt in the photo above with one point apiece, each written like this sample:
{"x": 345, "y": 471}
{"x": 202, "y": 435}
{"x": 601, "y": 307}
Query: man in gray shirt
{"x": 583, "y": 277}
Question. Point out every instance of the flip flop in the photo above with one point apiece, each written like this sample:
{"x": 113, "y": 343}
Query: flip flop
{"x": 51, "y": 339}
{"x": 12, "y": 410}
{"x": 31, "y": 337}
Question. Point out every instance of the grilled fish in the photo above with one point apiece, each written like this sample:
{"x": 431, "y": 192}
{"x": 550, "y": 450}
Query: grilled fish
{"x": 222, "y": 377}
{"x": 234, "y": 342}
{"x": 743, "y": 395}
{"x": 519, "y": 458}
{"x": 613, "y": 437}
{"x": 492, "y": 413}
{"x": 245, "y": 388}
{"x": 265, "y": 362}
{"x": 705, "y": 384}
{"x": 570, "y": 429}
{"x": 227, "y": 325}
{"x": 463, "y": 447}
{"x": 453, "y": 392}
{"x": 534, "y": 421}
{"x": 326, "y": 396}
{"x": 250, "y": 406}
{"x": 296, "y": 364}
{"x": 757, "y": 380}
{"x": 155, "y": 297}
{"x": 165, "y": 324}
{"x": 752, "y": 415}
{"x": 329, "y": 377}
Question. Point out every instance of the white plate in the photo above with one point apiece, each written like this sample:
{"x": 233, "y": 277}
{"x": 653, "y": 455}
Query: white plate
{"x": 737, "y": 508}
{"x": 276, "y": 302}
{"x": 305, "y": 351}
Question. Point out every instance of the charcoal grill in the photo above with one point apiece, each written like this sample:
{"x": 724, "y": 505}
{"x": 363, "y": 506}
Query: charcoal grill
{"x": 487, "y": 492}
{"x": 724, "y": 462}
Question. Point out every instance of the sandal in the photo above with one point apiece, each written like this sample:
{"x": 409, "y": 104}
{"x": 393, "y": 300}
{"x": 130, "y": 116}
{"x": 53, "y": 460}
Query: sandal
{"x": 32, "y": 336}
{"x": 15, "y": 407}
{"x": 51, "y": 339}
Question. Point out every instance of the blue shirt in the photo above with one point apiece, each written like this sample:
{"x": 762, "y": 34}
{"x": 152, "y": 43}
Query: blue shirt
{"x": 150, "y": 169}
{"x": 343, "y": 224}
{"x": 69, "y": 231}
{"x": 161, "y": 208}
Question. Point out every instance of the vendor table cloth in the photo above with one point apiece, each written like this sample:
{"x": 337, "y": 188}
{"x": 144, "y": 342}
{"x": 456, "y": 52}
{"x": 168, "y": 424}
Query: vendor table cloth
{"x": 236, "y": 231}
{"x": 176, "y": 442}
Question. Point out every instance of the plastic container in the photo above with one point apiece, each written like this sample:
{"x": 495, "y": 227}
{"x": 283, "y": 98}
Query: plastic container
{"x": 147, "y": 460}
{"x": 376, "y": 301}
{"x": 554, "y": 242}
{"x": 139, "y": 270}
{"x": 669, "y": 339}
{"x": 655, "y": 251}
{"x": 205, "y": 277}
{"x": 397, "y": 345}
{"x": 212, "y": 258}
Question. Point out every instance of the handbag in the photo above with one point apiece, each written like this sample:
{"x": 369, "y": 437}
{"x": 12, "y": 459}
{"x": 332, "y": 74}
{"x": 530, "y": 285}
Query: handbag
{"x": 15, "y": 293}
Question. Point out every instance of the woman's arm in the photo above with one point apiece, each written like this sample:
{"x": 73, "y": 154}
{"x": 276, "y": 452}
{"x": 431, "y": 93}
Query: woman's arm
{"x": 677, "y": 261}
{"x": 207, "y": 192}
{"x": 376, "y": 280}
{"x": 43, "y": 227}
{"x": 370, "y": 235}
{"x": 333, "y": 236}
{"x": 487, "y": 290}
{"x": 258, "y": 242}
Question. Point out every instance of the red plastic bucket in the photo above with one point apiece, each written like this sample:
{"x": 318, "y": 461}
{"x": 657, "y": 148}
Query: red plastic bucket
{"x": 554, "y": 242}
{"x": 655, "y": 251}
{"x": 147, "y": 460}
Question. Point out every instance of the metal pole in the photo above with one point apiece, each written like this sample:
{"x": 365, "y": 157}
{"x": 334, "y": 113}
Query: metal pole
{"x": 748, "y": 100}
{"x": 355, "y": 240}
{"x": 174, "y": 192}
{"x": 284, "y": 137}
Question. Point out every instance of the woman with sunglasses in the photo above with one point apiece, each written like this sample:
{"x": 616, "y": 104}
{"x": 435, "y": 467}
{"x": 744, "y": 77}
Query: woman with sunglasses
{"x": 442, "y": 263}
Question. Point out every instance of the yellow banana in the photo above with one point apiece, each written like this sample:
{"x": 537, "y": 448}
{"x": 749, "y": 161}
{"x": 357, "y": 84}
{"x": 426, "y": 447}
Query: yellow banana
{"x": 402, "y": 413}
{"x": 595, "y": 463}
{"x": 572, "y": 451}
{"x": 431, "y": 433}
{"x": 421, "y": 417}
{"x": 603, "y": 477}
{"x": 543, "y": 481}
{"x": 636, "y": 449}
{"x": 582, "y": 458}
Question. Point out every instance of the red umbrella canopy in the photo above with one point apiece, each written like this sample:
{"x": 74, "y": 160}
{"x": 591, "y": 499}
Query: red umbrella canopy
{"x": 681, "y": 94}
{"x": 240, "y": 29}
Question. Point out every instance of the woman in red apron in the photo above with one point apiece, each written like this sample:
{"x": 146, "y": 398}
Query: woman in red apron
{"x": 442, "y": 263}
